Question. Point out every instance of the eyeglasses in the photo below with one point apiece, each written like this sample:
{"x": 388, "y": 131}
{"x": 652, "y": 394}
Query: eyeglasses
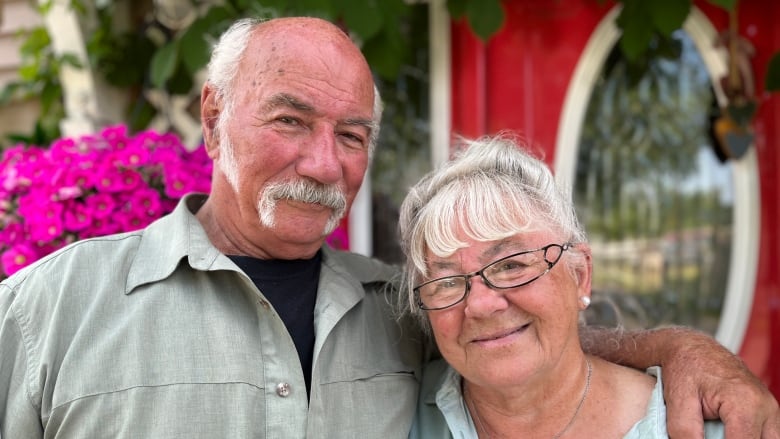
{"x": 511, "y": 271}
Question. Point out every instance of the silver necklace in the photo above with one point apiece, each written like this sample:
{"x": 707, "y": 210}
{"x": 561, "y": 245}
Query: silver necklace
{"x": 473, "y": 409}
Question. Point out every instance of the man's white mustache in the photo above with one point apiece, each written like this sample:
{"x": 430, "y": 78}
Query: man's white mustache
{"x": 308, "y": 191}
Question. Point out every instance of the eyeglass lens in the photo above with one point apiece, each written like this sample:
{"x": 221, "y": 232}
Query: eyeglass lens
{"x": 508, "y": 272}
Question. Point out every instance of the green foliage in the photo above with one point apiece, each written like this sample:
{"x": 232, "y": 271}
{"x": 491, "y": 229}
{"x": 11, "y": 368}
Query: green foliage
{"x": 772, "y": 82}
{"x": 152, "y": 56}
{"x": 39, "y": 77}
{"x": 485, "y": 17}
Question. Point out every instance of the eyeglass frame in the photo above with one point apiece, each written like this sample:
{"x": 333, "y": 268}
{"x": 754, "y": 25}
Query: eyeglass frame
{"x": 481, "y": 273}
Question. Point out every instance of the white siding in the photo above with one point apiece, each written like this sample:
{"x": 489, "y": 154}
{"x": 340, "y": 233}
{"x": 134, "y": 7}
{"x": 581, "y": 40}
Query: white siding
{"x": 17, "y": 15}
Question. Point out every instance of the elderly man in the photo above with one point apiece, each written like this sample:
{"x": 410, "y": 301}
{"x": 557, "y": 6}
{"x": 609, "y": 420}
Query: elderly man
{"x": 228, "y": 317}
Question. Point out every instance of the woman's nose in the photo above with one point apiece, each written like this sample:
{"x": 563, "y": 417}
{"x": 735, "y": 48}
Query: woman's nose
{"x": 483, "y": 300}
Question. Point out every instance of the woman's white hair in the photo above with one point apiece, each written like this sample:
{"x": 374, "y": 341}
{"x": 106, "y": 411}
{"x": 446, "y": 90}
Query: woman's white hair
{"x": 223, "y": 69}
{"x": 492, "y": 189}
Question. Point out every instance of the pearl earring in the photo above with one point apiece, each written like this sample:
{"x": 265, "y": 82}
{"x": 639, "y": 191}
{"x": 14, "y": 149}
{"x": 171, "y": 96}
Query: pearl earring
{"x": 585, "y": 301}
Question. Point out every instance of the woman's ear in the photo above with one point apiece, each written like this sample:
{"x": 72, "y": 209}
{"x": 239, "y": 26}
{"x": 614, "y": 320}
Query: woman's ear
{"x": 584, "y": 270}
{"x": 209, "y": 115}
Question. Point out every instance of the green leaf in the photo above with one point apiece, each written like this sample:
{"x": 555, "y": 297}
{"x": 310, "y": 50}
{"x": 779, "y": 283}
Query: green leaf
{"x": 10, "y": 91}
{"x": 164, "y": 64}
{"x": 725, "y": 4}
{"x": 141, "y": 114}
{"x": 772, "y": 82}
{"x": 385, "y": 53}
{"x": 668, "y": 15}
{"x": 485, "y": 17}
{"x": 361, "y": 17}
{"x": 637, "y": 29}
{"x": 127, "y": 64}
{"x": 181, "y": 81}
{"x": 37, "y": 41}
{"x": 28, "y": 72}
{"x": 50, "y": 95}
{"x": 457, "y": 8}
{"x": 70, "y": 59}
{"x": 194, "y": 44}
{"x": 319, "y": 8}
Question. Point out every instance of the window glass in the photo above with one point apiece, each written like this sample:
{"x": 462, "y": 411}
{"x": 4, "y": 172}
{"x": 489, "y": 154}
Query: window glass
{"x": 654, "y": 194}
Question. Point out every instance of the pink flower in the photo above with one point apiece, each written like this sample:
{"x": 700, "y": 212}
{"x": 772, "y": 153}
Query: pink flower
{"x": 82, "y": 177}
{"x": 17, "y": 257}
{"x": 68, "y": 192}
{"x": 11, "y": 234}
{"x": 338, "y": 239}
{"x": 100, "y": 204}
{"x": 177, "y": 182}
{"x": 100, "y": 227}
{"x": 77, "y": 217}
{"x": 145, "y": 203}
{"x": 45, "y": 229}
{"x": 112, "y": 179}
{"x": 89, "y": 186}
{"x": 132, "y": 156}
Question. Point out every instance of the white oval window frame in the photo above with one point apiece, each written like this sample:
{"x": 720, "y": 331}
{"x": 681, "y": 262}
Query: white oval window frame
{"x": 746, "y": 213}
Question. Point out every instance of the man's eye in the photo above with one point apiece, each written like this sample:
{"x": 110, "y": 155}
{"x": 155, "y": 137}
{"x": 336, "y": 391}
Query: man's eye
{"x": 288, "y": 120}
{"x": 353, "y": 139}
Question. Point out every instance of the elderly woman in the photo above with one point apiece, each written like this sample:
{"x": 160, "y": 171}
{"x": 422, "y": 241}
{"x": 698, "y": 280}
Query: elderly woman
{"x": 498, "y": 269}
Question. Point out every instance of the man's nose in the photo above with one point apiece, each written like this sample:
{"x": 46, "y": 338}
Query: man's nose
{"x": 320, "y": 158}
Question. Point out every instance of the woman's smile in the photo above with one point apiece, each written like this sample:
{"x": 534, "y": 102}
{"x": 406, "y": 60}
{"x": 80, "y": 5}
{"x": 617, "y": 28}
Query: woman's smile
{"x": 501, "y": 337}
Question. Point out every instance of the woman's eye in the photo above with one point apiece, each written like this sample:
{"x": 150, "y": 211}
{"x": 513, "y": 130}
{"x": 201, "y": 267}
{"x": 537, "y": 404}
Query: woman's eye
{"x": 507, "y": 265}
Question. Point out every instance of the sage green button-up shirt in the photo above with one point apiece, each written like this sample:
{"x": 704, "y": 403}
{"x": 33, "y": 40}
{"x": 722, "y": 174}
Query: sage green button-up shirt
{"x": 156, "y": 334}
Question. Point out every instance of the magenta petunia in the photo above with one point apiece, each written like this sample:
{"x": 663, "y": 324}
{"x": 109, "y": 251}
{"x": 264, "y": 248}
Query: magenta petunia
{"x": 45, "y": 229}
{"x": 83, "y": 178}
{"x": 17, "y": 257}
{"x": 92, "y": 185}
{"x": 77, "y": 217}
{"x": 178, "y": 182}
{"x": 100, "y": 204}
{"x": 12, "y": 233}
{"x": 117, "y": 179}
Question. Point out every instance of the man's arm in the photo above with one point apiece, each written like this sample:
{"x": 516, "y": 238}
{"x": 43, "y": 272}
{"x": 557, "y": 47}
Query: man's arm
{"x": 18, "y": 417}
{"x": 702, "y": 379}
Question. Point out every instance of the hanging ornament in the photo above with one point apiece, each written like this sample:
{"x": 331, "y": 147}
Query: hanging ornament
{"x": 732, "y": 129}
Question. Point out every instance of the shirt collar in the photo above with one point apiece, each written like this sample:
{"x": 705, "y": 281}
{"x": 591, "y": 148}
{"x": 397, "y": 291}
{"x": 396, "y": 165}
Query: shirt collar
{"x": 167, "y": 241}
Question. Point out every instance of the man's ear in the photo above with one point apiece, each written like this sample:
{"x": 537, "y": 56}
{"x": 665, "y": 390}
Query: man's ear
{"x": 209, "y": 115}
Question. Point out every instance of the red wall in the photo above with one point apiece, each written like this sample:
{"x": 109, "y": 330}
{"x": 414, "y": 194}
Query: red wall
{"x": 518, "y": 80}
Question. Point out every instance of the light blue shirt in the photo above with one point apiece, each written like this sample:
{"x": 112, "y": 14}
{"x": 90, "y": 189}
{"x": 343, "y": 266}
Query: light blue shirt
{"x": 442, "y": 413}
{"x": 156, "y": 334}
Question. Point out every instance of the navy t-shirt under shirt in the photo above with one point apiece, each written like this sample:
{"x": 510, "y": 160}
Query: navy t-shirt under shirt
{"x": 291, "y": 287}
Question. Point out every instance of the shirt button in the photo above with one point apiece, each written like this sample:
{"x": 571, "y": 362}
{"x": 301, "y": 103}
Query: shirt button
{"x": 283, "y": 389}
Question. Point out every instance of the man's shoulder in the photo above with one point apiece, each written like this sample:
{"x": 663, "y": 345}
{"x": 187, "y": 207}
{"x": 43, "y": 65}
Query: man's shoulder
{"x": 364, "y": 268}
{"x": 85, "y": 254}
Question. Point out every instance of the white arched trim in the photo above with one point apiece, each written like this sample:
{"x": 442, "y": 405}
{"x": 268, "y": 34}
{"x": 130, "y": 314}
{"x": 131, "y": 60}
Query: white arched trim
{"x": 746, "y": 213}
{"x": 440, "y": 80}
